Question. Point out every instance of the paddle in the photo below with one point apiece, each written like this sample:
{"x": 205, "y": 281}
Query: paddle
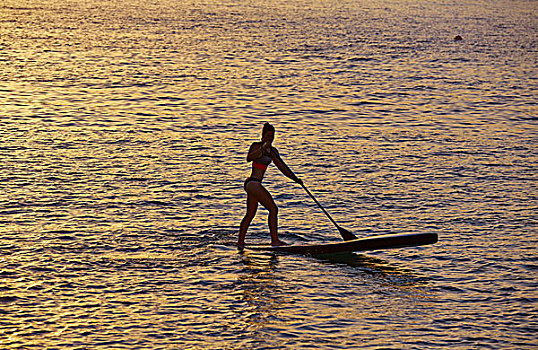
{"x": 346, "y": 235}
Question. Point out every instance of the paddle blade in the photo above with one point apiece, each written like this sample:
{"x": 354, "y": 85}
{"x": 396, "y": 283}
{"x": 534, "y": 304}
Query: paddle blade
{"x": 346, "y": 235}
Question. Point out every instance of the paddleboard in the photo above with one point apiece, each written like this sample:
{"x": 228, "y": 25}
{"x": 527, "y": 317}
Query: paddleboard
{"x": 356, "y": 245}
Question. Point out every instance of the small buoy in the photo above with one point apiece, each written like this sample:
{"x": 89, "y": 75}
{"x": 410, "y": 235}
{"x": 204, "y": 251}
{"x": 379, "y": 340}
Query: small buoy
{"x": 458, "y": 38}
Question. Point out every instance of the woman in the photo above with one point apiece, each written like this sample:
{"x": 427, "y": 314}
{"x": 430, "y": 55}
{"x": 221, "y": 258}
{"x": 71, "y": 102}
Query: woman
{"x": 261, "y": 154}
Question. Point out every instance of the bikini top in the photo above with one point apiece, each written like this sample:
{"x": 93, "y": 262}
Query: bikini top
{"x": 263, "y": 161}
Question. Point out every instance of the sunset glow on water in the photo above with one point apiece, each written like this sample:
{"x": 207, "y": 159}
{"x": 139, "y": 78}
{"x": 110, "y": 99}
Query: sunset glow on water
{"x": 125, "y": 126}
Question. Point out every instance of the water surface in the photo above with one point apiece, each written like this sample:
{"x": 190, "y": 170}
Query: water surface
{"x": 125, "y": 125}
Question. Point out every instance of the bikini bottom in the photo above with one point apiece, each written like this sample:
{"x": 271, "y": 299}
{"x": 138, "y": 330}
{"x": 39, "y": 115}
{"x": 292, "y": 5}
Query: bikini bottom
{"x": 250, "y": 179}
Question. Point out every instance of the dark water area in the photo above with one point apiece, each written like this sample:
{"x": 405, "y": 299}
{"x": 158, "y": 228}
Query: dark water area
{"x": 125, "y": 126}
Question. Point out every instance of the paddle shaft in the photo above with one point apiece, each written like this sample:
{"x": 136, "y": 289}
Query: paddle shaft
{"x": 319, "y": 205}
{"x": 346, "y": 235}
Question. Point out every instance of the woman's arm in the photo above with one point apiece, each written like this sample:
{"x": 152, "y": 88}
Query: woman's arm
{"x": 283, "y": 167}
{"x": 255, "y": 151}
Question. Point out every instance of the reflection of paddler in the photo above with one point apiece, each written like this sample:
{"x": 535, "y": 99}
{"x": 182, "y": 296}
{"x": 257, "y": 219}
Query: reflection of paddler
{"x": 261, "y": 154}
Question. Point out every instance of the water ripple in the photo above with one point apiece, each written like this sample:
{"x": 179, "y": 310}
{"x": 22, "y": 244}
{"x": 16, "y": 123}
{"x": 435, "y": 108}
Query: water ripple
{"x": 124, "y": 132}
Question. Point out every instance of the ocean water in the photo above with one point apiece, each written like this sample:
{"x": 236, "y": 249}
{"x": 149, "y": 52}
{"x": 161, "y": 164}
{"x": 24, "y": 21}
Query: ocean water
{"x": 124, "y": 127}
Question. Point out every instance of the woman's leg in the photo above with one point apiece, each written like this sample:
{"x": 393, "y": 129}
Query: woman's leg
{"x": 252, "y": 207}
{"x": 256, "y": 190}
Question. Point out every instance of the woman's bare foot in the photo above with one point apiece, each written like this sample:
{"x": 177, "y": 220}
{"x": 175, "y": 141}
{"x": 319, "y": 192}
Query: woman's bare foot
{"x": 278, "y": 243}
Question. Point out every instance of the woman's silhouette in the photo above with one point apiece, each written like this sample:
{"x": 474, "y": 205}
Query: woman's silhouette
{"x": 261, "y": 154}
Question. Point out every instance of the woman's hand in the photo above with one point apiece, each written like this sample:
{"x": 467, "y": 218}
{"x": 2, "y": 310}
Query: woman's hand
{"x": 266, "y": 147}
